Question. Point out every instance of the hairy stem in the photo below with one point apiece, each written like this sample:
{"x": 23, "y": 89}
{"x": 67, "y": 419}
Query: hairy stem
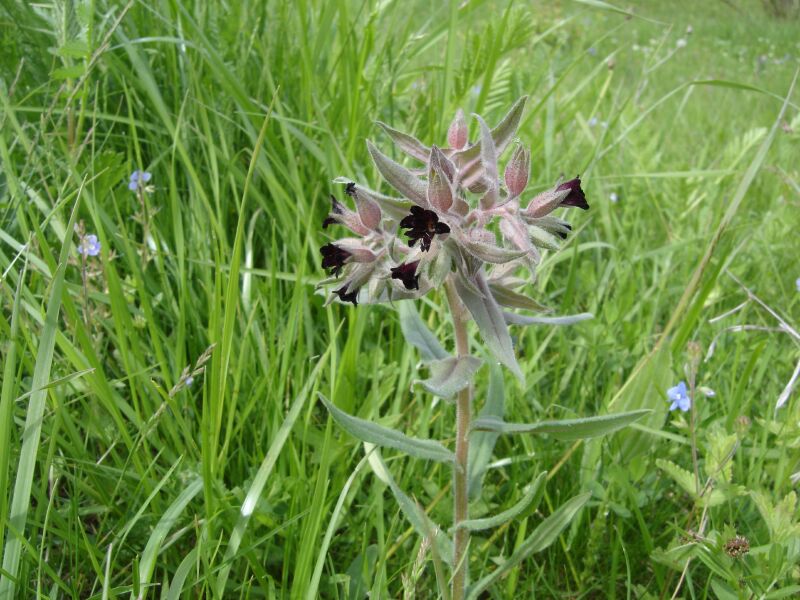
{"x": 460, "y": 477}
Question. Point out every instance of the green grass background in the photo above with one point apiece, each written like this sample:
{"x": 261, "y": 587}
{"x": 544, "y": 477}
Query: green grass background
{"x": 244, "y": 112}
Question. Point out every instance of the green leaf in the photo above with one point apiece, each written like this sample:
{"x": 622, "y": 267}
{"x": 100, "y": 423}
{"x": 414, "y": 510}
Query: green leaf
{"x": 72, "y": 72}
{"x": 400, "y": 178}
{"x": 489, "y": 318}
{"x": 367, "y": 431}
{"x": 545, "y": 534}
{"x": 407, "y": 143}
{"x": 165, "y": 524}
{"x": 417, "y": 333}
{"x": 34, "y": 417}
{"x": 450, "y": 375}
{"x": 514, "y": 319}
{"x": 511, "y": 299}
{"x": 527, "y": 504}
{"x": 501, "y": 135}
{"x": 481, "y": 443}
{"x": 415, "y": 514}
{"x": 73, "y": 49}
{"x": 566, "y": 429}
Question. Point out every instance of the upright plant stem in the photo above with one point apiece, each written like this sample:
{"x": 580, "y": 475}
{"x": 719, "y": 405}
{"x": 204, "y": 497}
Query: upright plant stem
{"x": 460, "y": 477}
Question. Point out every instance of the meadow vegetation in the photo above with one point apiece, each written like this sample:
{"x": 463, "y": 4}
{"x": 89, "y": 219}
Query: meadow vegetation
{"x": 160, "y": 434}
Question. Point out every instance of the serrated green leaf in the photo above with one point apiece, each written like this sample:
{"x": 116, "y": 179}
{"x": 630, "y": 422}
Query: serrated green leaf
{"x": 450, "y": 375}
{"x": 545, "y": 534}
{"x": 73, "y": 49}
{"x": 527, "y": 503}
{"x": 566, "y": 429}
{"x": 489, "y": 318}
{"x": 417, "y": 333}
{"x": 72, "y": 72}
{"x": 367, "y": 431}
{"x": 680, "y": 475}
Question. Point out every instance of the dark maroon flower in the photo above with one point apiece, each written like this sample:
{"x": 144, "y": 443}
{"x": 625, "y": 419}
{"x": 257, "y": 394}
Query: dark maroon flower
{"x": 345, "y": 297}
{"x": 423, "y": 225}
{"x": 406, "y": 272}
{"x": 350, "y": 189}
{"x": 337, "y": 208}
{"x": 333, "y": 258}
{"x": 576, "y": 197}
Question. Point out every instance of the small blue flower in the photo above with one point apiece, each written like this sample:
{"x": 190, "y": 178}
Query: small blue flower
{"x": 89, "y": 245}
{"x": 679, "y": 397}
{"x": 613, "y": 197}
{"x": 592, "y": 51}
{"x": 797, "y": 283}
{"x": 189, "y": 380}
{"x": 592, "y": 121}
{"x": 138, "y": 179}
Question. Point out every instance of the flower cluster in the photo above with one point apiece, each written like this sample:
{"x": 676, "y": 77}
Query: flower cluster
{"x": 456, "y": 213}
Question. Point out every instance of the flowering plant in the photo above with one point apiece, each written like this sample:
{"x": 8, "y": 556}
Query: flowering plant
{"x": 470, "y": 231}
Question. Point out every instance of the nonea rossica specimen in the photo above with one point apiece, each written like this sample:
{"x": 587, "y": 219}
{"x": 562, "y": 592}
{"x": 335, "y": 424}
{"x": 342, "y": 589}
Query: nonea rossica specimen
{"x": 464, "y": 226}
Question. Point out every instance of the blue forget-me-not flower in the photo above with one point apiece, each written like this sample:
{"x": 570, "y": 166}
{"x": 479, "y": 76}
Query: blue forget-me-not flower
{"x": 89, "y": 245}
{"x": 679, "y": 397}
{"x": 139, "y": 179}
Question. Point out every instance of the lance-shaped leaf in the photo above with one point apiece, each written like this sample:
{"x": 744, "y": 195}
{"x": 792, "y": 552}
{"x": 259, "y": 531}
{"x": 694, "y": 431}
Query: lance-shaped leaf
{"x": 502, "y": 134}
{"x": 407, "y": 143}
{"x": 565, "y": 429}
{"x": 415, "y": 514}
{"x": 367, "y": 431}
{"x": 481, "y": 443}
{"x": 488, "y": 251}
{"x": 400, "y": 178}
{"x": 515, "y": 319}
{"x": 489, "y": 318}
{"x": 527, "y": 504}
{"x": 545, "y": 534}
{"x": 450, "y": 375}
{"x": 417, "y": 333}
{"x": 511, "y": 299}
{"x": 489, "y": 165}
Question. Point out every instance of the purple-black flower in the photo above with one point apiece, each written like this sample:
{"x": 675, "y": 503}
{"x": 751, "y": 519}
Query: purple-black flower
{"x": 333, "y": 258}
{"x": 344, "y": 296}
{"x": 89, "y": 246}
{"x": 576, "y": 197}
{"x": 423, "y": 225}
{"x": 139, "y": 179}
{"x": 407, "y": 273}
{"x": 679, "y": 396}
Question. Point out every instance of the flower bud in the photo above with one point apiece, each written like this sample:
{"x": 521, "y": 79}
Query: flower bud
{"x": 457, "y": 133}
{"x": 440, "y": 195}
{"x": 368, "y": 210}
{"x": 517, "y": 171}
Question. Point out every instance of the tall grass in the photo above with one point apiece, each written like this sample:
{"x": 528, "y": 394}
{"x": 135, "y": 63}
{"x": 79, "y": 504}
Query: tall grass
{"x": 237, "y": 485}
